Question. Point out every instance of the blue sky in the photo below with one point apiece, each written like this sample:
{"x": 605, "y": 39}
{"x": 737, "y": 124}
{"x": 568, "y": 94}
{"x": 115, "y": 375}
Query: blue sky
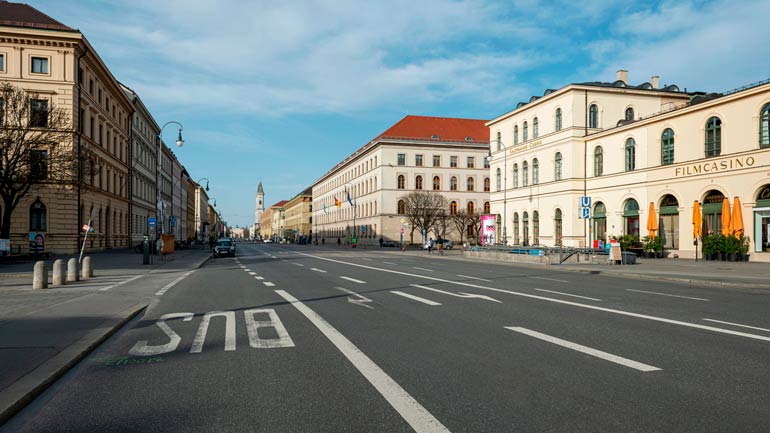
{"x": 280, "y": 91}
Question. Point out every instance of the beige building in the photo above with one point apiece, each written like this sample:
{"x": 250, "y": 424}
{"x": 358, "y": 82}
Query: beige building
{"x": 202, "y": 226}
{"x": 440, "y": 154}
{"x": 298, "y": 216}
{"x": 273, "y": 222}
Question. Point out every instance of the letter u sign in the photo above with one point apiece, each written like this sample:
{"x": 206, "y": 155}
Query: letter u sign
{"x": 585, "y": 201}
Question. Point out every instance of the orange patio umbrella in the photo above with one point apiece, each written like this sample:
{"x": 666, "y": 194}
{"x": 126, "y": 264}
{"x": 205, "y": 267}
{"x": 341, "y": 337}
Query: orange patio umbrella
{"x": 652, "y": 221}
{"x": 726, "y": 217}
{"x": 697, "y": 220}
{"x": 736, "y": 222}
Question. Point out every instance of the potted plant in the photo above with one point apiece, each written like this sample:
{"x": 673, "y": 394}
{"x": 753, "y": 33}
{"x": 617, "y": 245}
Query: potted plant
{"x": 733, "y": 248}
{"x": 745, "y": 243}
{"x": 709, "y": 247}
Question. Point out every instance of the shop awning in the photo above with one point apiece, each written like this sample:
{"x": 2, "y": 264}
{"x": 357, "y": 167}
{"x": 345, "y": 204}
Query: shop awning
{"x": 697, "y": 220}
{"x": 652, "y": 221}
{"x": 726, "y": 217}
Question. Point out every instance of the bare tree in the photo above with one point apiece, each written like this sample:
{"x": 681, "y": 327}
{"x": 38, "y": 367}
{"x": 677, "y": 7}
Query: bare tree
{"x": 461, "y": 220}
{"x": 423, "y": 209}
{"x": 35, "y": 148}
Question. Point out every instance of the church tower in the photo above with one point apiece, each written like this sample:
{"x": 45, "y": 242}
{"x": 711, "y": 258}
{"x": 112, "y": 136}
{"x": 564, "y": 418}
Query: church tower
{"x": 260, "y": 207}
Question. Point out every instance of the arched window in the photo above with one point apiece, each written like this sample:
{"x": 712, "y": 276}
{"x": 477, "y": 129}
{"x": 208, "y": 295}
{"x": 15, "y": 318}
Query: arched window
{"x": 557, "y": 166}
{"x": 453, "y": 183}
{"x": 401, "y": 207}
{"x": 499, "y": 141}
{"x": 471, "y": 183}
{"x": 630, "y": 154}
{"x": 535, "y": 171}
{"x": 38, "y": 219}
{"x": 525, "y": 173}
{"x": 401, "y": 181}
{"x": 525, "y": 231}
{"x": 535, "y": 128}
{"x": 764, "y": 127}
{"x": 598, "y": 161}
{"x": 498, "y": 181}
{"x": 713, "y": 137}
{"x": 486, "y": 184}
{"x": 525, "y": 133}
{"x": 515, "y": 228}
{"x": 557, "y": 227}
{"x": 486, "y": 207}
{"x": 558, "y": 119}
{"x": 629, "y": 113}
{"x": 515, "y": 134}
{"x": 667, "y": 147}
{"x": 471, "y": 207}
{"x": 631, "y": 217}
{"x": 535, "y": 228}
{"x": 453, "y": 208}
{"x": 436, "y": 183}
{"x": 418, "y": 182}
{"x": 593, "y": 116}
{"x": 515, "y": 175}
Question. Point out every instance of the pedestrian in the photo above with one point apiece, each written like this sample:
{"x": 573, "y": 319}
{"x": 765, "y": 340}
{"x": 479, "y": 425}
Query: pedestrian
{"x": 430, "y": 245}
{"x": 440, "y": 245}
{"x": 381, "y": 241}
{"x": 323, "y": 241}
{"x": 339, "y": 241}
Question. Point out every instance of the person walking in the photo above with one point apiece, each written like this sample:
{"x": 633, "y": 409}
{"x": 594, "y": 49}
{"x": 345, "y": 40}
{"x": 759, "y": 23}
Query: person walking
{"x": 440, "y": 245}
{"x": 381, "y": 241}
{"x": 430, "y": 246}
{"x": 339, "y": 241}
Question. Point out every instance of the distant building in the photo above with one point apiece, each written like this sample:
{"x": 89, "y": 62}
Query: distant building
{"x": 259, "y": 208}
{"x": 298, "y": 216}
{"x": 273, "y": 222}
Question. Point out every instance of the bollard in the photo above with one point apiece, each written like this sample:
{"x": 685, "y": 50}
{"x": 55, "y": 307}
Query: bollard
{"x": 40, "y": 276}
{"x": 72, "y": 270}
{"x": 59, "y": 275}
{"x": 88, "y": 271}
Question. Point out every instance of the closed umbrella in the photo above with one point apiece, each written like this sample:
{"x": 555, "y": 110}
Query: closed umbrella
{"x": 697, "y": 220}
{"x": 726, "y": 217}
{"x": 652, "y": 221}
{"x": 737, "y": 220}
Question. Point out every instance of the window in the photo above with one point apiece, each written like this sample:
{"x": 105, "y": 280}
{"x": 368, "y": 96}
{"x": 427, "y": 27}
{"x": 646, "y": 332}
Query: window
{"x": 557, "y": 166}
{"x": 39, "y": 65}
{"x": 764, "y": 127}
{"x": 535, "y": 171}
{"x": 38, "y": 164}
{"x": 525, "y": 231}
{"x": 713, "y": 137}
{"x": 453, "y": 208}
{"x": 401, "y": 159}
{"x": 453, "y": 183}
{"x": 418, "y": 182}
{"x": 486, "y": 207}
{"x": 629, "y": 113}
{"x": 401, "y": 207}
{"x": 453, "y": 161}
{"x": 515, "y": 228}
{"x": 418, "y": 160}
{"x": 525, "y": 173}
{"x": 486, "y": 162}
{"x": 630, "y": 154}
{"x": 38, "y": 117}
{"x": 631, "y": 217}
{"x": 471, "y": 207}
{"x": 38, "y": 219}
{"x": 525, "y": 133}
{"x": 515, "y": 175}
{"x": 471, "y": 162}
{"x": 593, "y": 116}
{"x": 471, "y": 183}
{"x": 498, "y": 179}
{"x": 558, "y": 119}
{"x": 91, "y": 86}
{"x": 486, "y": 184}
{"x": 515, "y": 134}
{"x": 535, "y": 128}
{"x": 598, "y": 161}
{"x": 436, "y": 183}
{"x": 499, "y": 141}
{"x": 557, "y": 223}
{"x": 401, "y": 181}
{"x": 2, "y": 62}
{"x": 667, "y": 147}
{"x": 436, "y": 161}
{"x": 535, "y": 228}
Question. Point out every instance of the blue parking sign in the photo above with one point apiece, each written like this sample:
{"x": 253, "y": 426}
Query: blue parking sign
{"x": 151, "y": 221}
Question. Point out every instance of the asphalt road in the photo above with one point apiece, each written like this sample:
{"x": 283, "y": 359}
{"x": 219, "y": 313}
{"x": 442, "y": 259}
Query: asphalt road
{"x": 308, "y": 339}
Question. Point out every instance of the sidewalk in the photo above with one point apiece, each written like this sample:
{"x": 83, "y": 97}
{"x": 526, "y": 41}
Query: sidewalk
{"x": 43, "y": 333}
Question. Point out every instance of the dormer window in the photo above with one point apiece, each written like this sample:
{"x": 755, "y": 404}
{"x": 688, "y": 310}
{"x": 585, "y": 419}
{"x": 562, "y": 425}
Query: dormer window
{"x": 434, "y": 137}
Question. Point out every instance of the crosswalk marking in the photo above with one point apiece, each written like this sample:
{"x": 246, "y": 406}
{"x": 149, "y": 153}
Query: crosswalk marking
{"x": 104, "y": 289}
{"x": 416, "y": 298}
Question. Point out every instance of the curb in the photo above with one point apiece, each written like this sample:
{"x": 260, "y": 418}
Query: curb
{"x": 14, "y": 398}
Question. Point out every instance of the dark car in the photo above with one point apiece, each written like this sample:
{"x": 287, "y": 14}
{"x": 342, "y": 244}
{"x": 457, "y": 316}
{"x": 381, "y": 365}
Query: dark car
{"x": 224, "y": 247}
{"x": 389, "y": 244}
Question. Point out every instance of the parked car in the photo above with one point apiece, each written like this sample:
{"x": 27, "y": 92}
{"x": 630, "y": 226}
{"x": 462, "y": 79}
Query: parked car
{"x": 388, "y": 244}
{"x": 224, "y": 247}
{"x": 448, "y": 244}
{"x": 267, "y": 241}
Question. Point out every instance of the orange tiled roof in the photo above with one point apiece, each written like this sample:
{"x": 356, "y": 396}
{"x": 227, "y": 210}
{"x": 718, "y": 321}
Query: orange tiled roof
{"x": 445, "y": 128}
{"x": 280, "y": 203}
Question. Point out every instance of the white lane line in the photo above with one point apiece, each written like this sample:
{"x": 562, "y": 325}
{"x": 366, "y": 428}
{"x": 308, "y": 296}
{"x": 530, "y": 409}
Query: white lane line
{"x": 422, "y": 269}
{"x": 551, "y": 279}
{"x": 390, "y": 263}
{"x": 165, "y": 288}
{"x": 667, "y": 294}
{"x": 473, "y": 278}
{"x": 585, "y": 349}
{"x": 104, "y": 289}
{"x": 557, "y": 301}
{"x": 247, "y": 269}
{"x": 299, "y": 264}
{"x": 738, "y": 324}
{"x": 353, "y": 280}
{"x": 364, "y": 258}
{"x": 273, "y": 257}
{"x": 410, "y": 409}
{"x": 459, "y": 295}
{"x": 258, "y": 277}
{"x": 252, "y": 273}
{"x": 569, "y": 294}
{"x": 268, "y": 284}
{"x": 242, "y": 266}
{"x": 416, "y": 298}
{"x": 318, "y": 270}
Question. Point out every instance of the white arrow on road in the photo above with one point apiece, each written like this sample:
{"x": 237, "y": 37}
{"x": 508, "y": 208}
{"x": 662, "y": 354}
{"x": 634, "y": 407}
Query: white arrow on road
{"x": 360, "y": 299}
{"x": 459, "y": 294}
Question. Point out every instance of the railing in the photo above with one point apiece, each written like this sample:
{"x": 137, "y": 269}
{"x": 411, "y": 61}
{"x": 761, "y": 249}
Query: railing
{"x": 564, "y": 253}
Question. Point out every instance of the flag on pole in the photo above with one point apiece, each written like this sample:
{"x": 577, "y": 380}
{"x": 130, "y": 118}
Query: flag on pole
{"x": 324, "y": 207}
{"x": 337, "y": 202}
{"x": 349, "y": 201}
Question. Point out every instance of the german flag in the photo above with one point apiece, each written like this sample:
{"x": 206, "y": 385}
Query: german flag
{"x": 337, "y": 202}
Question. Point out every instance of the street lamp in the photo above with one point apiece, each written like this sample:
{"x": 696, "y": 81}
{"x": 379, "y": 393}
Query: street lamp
{"x": 180, "y": 143}
{"x": 207, "y": 182}
{"x": 505, "y": 186}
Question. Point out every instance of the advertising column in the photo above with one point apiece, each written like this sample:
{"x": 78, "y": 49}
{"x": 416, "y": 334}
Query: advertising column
{"x": 488, "y": 230}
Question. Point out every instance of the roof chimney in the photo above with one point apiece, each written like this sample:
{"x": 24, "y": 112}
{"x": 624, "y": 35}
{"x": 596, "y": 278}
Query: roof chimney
{"x": 622, "y": 76}
{"x": 655, "y": 81}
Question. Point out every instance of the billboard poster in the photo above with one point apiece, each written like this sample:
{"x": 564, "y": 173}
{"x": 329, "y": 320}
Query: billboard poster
{"x": 488, "y": 227}
{"x": 36, "y": 242}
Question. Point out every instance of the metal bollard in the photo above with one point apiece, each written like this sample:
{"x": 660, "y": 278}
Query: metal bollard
{"x": 59, "y": 276}
{"x": 40, "y": 276}
{"x": 72, "y": 270}
{"x": 88, "y": 270}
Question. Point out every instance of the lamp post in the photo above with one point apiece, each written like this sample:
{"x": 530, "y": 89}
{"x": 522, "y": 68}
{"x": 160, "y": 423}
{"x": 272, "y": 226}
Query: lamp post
{"x": 180, "y": 143}
{"x": 207, "y": 182}
{"x": 505, "y": 186}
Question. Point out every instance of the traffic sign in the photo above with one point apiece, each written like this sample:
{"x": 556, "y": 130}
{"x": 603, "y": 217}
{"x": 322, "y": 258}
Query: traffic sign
{"x": 586, "y": 212}
{"x": 87, "y": 228}
{"x": 172, "y": 221}
{"x": 585, "y": 201}
{"x": 363, "y": 229}
{"x": 151, "y": 221}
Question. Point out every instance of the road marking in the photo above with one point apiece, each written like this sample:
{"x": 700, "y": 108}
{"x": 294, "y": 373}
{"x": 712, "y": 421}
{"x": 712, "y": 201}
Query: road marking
{"x": 318, "y": 270}
{"x": 551, "y": 279}
{"x": 253, "y": 325}
{"x": 422, "y": 269}
{"x": 474, "y": 278}
{"x": 668, "y": 294}
{"x": 364, "y": 258}
{"x": 360, "y": 299}
{"x": 200, "y": 336}
{"x": 247, "y": 269}
{"x": 585, "y": 349}
{"x": 568, "y": 294}
{"x": 738, "y": 324}
{"x": 416, "y": 298}
{"x": 391, "y": 263}
{"x": 273, "y": 257}
{"x": 353, "y": 280}
{"x": 410, "y": 409}
{"x": 557, "y": 301}
{"x": 268, "y": 284}
{"x": 252, "y": 273}
{"x": 165, "y": 288}
{"x": 104, "y": 289}
{"x": 299, "y": 264}
{"x": 242, "y": 266}
{"x": 141, "y": 348}
{"x": 459, "y": 294}
{"x": 258, "y": 277}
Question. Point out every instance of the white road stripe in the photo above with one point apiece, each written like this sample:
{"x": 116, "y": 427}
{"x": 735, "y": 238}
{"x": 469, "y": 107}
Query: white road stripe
{"x": 259, "y": 278}
{"x": 667, "y": 294}
{"x": 299, "y": 264}
{"x": 390, "y": 263}
{"x": 318, "y": 270}
{"x": 459, "y": 295}
{"x": 353, "y": 280}
{"x": 268, "y": 284}
{"x": 410, "y": 409}
{"x": 247, "y": 269}
{"x": 242, "y": 266}
{"x": 474, "y": 278}
{"x": 252, "y": 273}
{"x": 364, "y": 258}
{"x": 585, "y": 349}
{"x": 551, "y": 279}
{"x": 569, "y": 294}
{"x": 738, "y": 324}
{"x": 422, "y": 269}
{"x": 165, "y": 288}
{"x": 104, "y": 289}
{"x": 558, "y": 301}
{"x": 416, "y": 298}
